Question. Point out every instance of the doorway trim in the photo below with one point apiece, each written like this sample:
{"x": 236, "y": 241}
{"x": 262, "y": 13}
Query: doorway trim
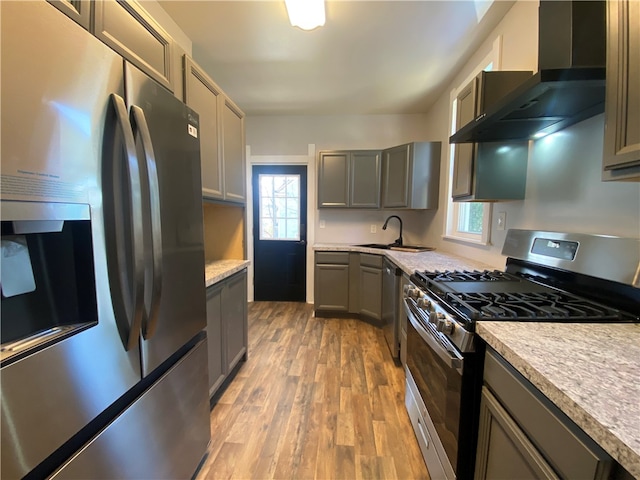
{"x": 310, "y": 161}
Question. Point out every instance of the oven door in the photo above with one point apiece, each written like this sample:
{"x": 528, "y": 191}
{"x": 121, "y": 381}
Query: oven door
{"x": 436, "y": 367}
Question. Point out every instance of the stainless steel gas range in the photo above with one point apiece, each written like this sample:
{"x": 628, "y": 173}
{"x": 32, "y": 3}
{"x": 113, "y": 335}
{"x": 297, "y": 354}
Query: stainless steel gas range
{"x": 549, "y": 277}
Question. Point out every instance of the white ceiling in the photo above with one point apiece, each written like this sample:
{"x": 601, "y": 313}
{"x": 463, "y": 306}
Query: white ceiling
{"x": 371, "y": 57}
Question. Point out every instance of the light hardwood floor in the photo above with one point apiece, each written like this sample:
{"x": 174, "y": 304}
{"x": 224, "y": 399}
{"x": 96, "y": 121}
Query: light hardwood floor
{"x": 318, "y": 398}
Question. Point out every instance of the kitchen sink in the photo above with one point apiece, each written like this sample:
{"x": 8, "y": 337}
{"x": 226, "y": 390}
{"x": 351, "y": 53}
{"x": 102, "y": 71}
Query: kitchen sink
{"x": 403, "y": 248}
{"x": 411, "y": 248}
{"x": 381, "y": 246}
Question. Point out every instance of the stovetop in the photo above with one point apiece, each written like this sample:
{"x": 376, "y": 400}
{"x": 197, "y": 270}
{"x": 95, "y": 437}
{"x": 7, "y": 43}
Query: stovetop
{"x": 467, "y": 276}
{"x": 496, "y": 295}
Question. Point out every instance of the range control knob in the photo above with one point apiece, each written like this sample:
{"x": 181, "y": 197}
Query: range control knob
{"x": 445, "y": 326}
{"x": 433, "y": 318}
{"x": 409, "y": 291}
{"x": 424, "y": 303}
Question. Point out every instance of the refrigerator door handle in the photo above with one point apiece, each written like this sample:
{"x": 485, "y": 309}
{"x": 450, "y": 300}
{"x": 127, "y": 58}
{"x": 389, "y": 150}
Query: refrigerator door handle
{"x": 123, "y": 226}
{"x": 153, "y": 268}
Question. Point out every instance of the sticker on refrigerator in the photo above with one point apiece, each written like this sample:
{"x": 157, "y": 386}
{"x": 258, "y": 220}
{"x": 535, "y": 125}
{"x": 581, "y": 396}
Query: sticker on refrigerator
{"x": 193, "y": 131}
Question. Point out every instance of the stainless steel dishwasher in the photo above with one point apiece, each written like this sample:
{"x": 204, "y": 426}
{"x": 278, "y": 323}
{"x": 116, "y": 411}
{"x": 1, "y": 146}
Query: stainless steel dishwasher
{"x": 390, "y": 298}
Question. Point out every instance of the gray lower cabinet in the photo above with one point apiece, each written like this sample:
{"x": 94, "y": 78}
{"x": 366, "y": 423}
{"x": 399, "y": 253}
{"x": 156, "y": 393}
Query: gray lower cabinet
{"x": 349, "y": 283}
{"x": 331, "y": 282}
{"x": 621, "y": 159}
{"x": 522, "y": 434}
{"x": 126, "y": 27}
{"x": 234, "y": 319}
{"x": 411, "y": 176}
{"x": 217, "y": 369}
{"x": 370, "y": 286}
{"x": 349, "y": 179}
{"x": 226, "y": 327}
{"x": 504, "y": 450}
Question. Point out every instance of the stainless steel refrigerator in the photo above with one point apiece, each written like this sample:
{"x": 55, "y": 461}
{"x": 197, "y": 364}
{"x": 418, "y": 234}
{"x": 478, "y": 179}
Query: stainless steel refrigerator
{"x": 103, "y": 363}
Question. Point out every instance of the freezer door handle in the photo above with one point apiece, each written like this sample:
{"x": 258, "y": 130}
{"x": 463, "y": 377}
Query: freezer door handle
{"x": 123, "y": 223}
{"x": 153, "y": 265}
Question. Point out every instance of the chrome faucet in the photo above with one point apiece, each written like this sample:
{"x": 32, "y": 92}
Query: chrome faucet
{"x": 398, "y": 242}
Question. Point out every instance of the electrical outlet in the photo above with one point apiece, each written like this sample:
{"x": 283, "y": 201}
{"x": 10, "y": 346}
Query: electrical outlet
{"x": 502, "y": 220}
{"x": 374, "y": 228}
{"x": 321, "y": 223}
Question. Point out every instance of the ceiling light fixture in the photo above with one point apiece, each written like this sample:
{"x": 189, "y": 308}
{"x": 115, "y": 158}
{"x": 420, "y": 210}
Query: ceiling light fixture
{"x": 306, "y": 14}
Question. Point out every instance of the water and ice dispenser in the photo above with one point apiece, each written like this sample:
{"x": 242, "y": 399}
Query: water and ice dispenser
{"x": 47, "y": 275}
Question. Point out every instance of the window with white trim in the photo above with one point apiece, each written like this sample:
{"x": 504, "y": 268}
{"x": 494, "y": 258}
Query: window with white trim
{"x": 468, "y": 221}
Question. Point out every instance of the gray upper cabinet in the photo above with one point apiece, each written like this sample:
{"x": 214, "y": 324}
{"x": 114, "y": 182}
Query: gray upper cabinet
{"x": 411, "y": 176}
{"x": 127, "y": 28}
{"x": 349, "y": 179}
{"x": 397, "y": 166}
{"x": 333, "y": 179}
{"x": 621, "y": 159}
{"x": 487, "y": 171}
{"x": 233, "y": 151}
{"x": 78, "y": 10}
{"x": 203, "y": 95}
{"x": 364, "y": 191}
{"x": 222, "y": 151}
{"x": 464, "y": 152}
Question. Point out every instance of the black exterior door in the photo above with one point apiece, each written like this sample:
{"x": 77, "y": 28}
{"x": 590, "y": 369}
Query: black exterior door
{"x": 280, "y": 232}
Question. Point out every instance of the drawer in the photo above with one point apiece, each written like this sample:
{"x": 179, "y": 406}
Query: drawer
{"x": 370, "y": 260}
{"x": 340, "y": 258}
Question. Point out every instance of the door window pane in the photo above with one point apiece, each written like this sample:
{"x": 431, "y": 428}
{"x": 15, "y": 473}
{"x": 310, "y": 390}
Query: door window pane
{"x": 279, "y": 207}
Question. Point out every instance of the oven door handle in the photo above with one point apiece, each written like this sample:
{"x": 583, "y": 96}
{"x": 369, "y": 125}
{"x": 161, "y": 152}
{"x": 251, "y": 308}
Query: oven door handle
{"x": 452, "y": 359}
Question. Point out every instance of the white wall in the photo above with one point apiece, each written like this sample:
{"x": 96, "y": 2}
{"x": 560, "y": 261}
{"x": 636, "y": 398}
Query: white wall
{"x": 290, "y": 135}
{"x": 564, "y": 191}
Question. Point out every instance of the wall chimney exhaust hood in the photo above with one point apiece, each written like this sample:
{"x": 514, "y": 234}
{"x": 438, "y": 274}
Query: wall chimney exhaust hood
{"x": 570, "y": 83}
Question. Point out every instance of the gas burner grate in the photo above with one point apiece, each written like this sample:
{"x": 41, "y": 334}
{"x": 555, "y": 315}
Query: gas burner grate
{"x": 467, "y": 276}
{"x": 535, "y": 306}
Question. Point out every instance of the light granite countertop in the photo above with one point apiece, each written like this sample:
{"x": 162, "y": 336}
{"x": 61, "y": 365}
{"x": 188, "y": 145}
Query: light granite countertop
{"x": 220, "y": 269}
{"x": 409, "y": 262}
{"x": 590, "y": 371}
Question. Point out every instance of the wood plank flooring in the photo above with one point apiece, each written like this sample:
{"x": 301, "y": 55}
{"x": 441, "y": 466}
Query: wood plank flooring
{"x": 318, "y": 398}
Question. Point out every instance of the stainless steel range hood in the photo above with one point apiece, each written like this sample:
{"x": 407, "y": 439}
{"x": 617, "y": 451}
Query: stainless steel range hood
{"x": 570, "y": 83}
